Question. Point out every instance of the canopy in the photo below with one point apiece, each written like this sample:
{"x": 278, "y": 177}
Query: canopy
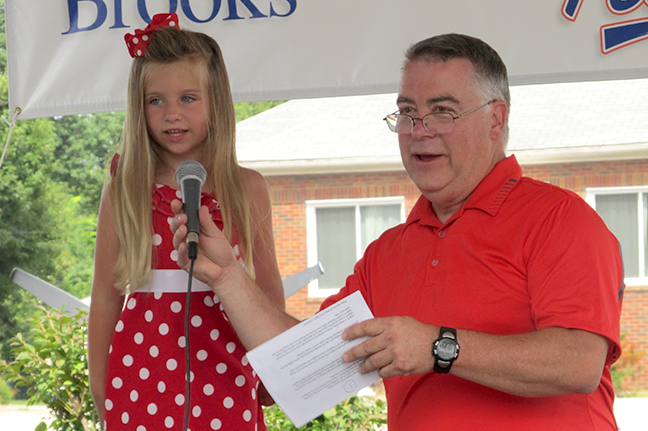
{"x": 69, "y": 57}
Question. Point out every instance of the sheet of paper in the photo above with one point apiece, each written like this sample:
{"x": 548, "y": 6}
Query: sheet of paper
{"x": 303, "y": 369}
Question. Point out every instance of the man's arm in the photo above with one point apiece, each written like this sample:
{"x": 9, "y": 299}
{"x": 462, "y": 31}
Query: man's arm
{"x": 552, "y": 361}
{"x": 255, "y": 317}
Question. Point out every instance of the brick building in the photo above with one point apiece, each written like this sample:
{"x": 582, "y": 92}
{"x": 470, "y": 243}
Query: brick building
{"x": 335, "y": 177}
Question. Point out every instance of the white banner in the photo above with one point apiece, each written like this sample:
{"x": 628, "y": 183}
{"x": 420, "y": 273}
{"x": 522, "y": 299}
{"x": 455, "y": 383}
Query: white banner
{"x": 69, "y": 56}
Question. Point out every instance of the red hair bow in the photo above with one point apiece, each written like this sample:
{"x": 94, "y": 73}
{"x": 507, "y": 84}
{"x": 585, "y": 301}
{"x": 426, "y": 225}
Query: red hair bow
{"x": 138, "y": 42}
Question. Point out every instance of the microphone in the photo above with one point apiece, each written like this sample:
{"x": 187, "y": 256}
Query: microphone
{"x": 191, "y": 176}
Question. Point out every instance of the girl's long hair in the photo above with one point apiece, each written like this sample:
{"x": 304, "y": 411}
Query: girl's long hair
{"x": 132, "y": 183}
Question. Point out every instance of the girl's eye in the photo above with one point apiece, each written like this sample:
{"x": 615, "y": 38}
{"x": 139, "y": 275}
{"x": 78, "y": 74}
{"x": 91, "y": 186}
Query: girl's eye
{"x": 188, "y": 98}
{"x": 155, "y": 101}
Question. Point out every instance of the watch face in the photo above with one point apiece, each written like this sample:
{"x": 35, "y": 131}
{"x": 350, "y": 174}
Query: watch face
{"x": 446, "y": 349}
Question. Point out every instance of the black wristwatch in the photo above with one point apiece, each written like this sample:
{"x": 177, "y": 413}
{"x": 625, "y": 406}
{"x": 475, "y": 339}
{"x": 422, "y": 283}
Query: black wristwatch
{"x": 445, "y": 350}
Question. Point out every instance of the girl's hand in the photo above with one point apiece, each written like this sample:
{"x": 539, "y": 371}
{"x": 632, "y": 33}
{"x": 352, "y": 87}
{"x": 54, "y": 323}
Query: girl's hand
{"x": 216, "y": 262}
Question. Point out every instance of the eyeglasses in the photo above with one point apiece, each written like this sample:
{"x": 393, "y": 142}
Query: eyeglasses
{"x": 434, "y": 122}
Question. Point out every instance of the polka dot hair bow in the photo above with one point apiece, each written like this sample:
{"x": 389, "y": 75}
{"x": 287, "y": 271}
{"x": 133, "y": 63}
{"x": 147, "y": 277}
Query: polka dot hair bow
{"x": 138, "y": 42}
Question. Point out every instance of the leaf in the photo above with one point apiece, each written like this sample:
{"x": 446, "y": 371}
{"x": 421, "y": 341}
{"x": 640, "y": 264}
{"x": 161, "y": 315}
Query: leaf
{"x": 41, "y": 427}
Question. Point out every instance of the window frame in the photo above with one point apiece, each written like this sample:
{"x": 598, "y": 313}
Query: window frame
{"x": 590, "y": 198}
{"x": 311, "y": 230}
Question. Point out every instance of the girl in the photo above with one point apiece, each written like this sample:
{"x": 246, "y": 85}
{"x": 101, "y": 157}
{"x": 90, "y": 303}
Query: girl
{"x": 179, "y": 108}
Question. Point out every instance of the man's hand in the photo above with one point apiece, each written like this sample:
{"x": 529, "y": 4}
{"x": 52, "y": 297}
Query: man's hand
{"x": 216, "y": 261}
{"x": 399, "y": 346}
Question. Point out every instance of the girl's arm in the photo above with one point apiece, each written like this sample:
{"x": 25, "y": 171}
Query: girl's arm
{"x": 106, "y": 302}
{"x": 263, "y": 247}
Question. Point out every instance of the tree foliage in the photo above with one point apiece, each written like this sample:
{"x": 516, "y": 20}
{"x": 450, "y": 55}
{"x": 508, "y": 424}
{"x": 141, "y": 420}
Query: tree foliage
{"x": 51, "y": 363}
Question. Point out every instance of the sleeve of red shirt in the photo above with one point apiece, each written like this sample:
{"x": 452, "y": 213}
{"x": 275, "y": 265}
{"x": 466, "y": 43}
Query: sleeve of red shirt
{"x": 576, "y": 273}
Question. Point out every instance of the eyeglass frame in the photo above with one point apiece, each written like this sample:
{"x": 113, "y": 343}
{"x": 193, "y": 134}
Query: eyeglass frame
{"x": 454, "y": 118}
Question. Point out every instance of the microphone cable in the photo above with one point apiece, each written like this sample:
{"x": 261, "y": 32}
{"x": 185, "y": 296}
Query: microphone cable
{"x": 187, "y": 348}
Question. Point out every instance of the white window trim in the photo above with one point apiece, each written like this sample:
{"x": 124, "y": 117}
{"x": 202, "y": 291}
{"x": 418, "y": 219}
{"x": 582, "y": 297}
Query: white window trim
{"x": 311, "y": 230}
{"x": 590, "y": 198}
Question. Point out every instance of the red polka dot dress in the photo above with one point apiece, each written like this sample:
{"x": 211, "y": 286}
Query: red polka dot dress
{"x": 145, "y": 385}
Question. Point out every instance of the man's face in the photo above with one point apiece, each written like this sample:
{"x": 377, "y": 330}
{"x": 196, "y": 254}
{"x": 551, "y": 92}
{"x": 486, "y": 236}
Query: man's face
{"x": 448, "y": 167}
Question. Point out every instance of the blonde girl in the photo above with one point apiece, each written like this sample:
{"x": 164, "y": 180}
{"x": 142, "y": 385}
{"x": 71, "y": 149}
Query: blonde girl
{"x": 179, "y": 108}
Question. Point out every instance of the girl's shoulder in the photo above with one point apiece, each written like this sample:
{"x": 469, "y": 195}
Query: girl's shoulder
{"x": 254, "y": 182}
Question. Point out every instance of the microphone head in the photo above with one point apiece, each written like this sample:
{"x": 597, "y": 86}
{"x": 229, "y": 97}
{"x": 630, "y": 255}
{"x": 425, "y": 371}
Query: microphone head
{"x": 190, "y": 169}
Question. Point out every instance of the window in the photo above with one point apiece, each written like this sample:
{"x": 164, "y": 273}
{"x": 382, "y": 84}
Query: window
{"x": 340, "y": 230}
{"x": 625, "y": 212}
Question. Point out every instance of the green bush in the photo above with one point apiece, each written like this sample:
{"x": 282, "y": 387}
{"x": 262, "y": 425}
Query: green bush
{"x": 51, "y": 363}
{"x": 6, "y": 395}
{"x": 356, "y": 413}
{"x": 626, "y": 367}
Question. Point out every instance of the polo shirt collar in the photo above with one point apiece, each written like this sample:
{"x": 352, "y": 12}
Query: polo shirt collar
{"x": 488, "y": 196}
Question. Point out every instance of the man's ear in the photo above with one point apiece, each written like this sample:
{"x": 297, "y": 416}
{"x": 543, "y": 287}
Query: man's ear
{"x": 499, "y": 112}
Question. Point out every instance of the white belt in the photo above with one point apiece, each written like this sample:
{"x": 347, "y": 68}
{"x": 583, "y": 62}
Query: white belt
{"x": 172, "y": 281}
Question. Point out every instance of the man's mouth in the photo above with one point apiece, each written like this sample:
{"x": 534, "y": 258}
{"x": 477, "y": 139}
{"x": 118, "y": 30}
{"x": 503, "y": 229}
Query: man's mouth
{"x": 427, "y": 157}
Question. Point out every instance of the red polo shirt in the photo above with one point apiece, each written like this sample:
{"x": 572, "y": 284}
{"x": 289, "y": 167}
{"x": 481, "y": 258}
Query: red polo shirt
{"x": 519, "y": 256}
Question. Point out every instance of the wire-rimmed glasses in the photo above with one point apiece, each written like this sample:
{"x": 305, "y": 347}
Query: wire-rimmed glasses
{"x": 434, "y": 122}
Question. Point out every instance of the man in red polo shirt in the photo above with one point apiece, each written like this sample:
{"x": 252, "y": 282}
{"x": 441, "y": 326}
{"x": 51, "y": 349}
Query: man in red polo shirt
{"x": 498, "y": 301}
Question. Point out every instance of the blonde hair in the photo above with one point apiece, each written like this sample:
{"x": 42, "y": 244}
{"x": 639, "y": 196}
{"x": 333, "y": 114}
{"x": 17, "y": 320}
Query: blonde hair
{"x": 131, "y": 194}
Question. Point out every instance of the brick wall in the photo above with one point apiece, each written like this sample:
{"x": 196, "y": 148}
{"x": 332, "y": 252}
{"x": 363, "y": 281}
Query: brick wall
{"x": 289, "y": 194}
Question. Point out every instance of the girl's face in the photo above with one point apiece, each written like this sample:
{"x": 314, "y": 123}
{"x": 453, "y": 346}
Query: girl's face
{"x": 176, "y": 106}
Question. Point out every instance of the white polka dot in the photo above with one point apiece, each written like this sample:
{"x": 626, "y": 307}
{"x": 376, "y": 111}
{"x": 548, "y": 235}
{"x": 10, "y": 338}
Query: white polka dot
{"x": 169, "y": 220}
{"x": 179, "y": 399}
{"x": 148, "y": 315}
{"x": 168, "y": 422}
{"x": 181, "y": 342}
{"x": 247, "y": 415}
{"x": 157, "y": 239}
{"x": 145, "y": 37}
{"x": 209, "y": 302}
{"x": 196, "y": 411}
{"x": 141, "y": 428}
{"x": 161, "y": 387}
{"x": 171, "y": 364}
{"x": 174, "y": 255}
{"x": 127, "y": 360}
{"x": 221, "y": 368}
{"x": 215, "y": 424}
{"x": 157, "y": 295}
{"x": 117, "y": 383}
{"x": 230, "y": 347}
{"x": 214, "y": 334}
{"x": 135, "y": 40}
{"x": 196, "y": 321}
{"x": 176, "y": 307}
{"x": 253, "y": 393}
{"x": 138, "y": 338}
{"x": 119, "y": 326}
{"x": 144, "y": 373}
{"x": 108, "y": 404}
{"x": 244, "y": 361}
{"x": 131, "y": 303}
{"x": 201, "y": 355}
{"x": 228, "y": 402}
{"x": 164, "y": 329}
{"x": 216, "y": 299}
{"x": 239, "y": 381}
{"x": 125, "y": 418}
{"x": 151, "y": 409}
{"x": 134, "y": 395}
{"x": 179, "y": 194}
{"x": 110, "y": 349}
{"x": 154, "y": 351}
{"x": 208, "y": 389}
{"x": 191, "y": 376}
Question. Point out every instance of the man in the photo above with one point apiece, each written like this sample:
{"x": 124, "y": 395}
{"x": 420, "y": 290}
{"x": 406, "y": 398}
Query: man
{"x": 498, "y": 301}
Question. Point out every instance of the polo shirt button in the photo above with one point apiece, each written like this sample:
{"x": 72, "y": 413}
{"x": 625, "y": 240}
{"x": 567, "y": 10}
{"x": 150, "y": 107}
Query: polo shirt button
{"x": 435, "y": 262}
{"x": 441, "y": 233}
